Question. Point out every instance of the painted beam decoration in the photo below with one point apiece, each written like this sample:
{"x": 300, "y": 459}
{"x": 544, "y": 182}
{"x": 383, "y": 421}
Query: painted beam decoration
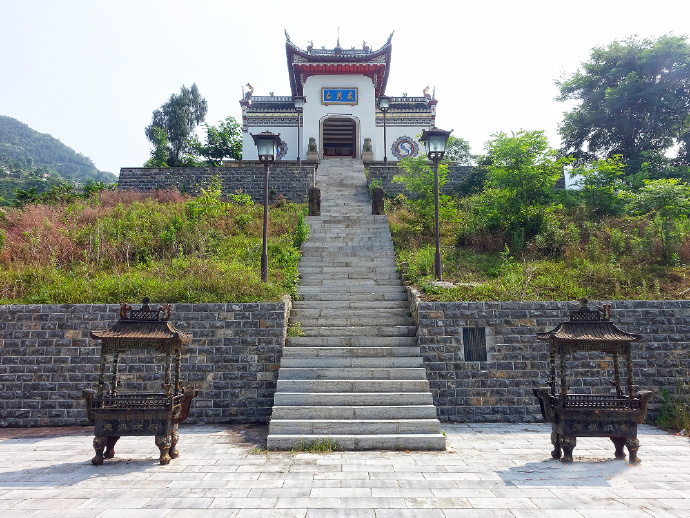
{"x": 339, "y": 96}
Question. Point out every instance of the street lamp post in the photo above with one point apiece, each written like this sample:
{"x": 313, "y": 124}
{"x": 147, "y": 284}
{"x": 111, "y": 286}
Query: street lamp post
{"x": 299, "y": 101}
{"x": 267, "y": 145}
{"x": 435, "y": 142}
{"x": 384, "y": 104}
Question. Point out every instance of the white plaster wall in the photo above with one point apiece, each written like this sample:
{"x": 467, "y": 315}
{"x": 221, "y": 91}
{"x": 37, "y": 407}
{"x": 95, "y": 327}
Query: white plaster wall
{"x": 314, "y": 111}
{"x": 288, "y": 134}
{"x": 392, "y": 134}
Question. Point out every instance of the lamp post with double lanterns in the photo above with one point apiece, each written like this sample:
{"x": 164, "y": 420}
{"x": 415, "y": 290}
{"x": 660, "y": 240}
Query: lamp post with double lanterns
{"x": 267, "y": 145}
{"x": 384, "y": 104}
{"x": 299, "y": 101}
{"x": 435, "y": 140}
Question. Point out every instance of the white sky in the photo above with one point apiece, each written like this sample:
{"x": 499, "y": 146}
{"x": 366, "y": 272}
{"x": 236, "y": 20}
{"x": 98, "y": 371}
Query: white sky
{"x": 91, "y": 72}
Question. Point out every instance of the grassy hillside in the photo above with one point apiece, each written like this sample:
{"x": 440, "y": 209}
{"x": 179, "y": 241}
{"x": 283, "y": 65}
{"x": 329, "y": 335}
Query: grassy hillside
{"x": 122, "y": 245}
{"x": 39, "y": 150}
{"x": 614, "y": 258}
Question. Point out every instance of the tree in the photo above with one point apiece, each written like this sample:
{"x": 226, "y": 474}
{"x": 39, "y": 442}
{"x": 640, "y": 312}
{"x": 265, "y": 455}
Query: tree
{"x": 666, "y": 200}
{"x": 178, "y": 118}
{"x": 601, "y": 185}
{"x": 418, "y": 179}
{"x": 159, "y": 154}
{"x": 458, "y": 151}
{"x": 633, "y": 100}
{"x": 524, "y": 163}
{"x": 522, "y": 174}
{"x": 225, "y": 141}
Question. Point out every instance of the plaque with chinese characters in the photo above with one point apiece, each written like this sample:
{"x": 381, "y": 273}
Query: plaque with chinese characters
{"x": 339, "y": 96}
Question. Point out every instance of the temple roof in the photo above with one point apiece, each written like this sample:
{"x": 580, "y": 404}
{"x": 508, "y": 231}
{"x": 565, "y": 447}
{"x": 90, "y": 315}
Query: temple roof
{"x": 143, "y": 325}
{"x": 588, "y": 332}
{"x": 306, "y": 63}
{"x": 143, "y": 331}
{"x": 587, "y": 325}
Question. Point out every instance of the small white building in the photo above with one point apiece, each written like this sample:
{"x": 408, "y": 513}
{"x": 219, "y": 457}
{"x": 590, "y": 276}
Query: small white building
{"x": 342, "y": 89}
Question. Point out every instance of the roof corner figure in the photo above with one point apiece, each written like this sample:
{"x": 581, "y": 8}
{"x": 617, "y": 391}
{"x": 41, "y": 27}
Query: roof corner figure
{"x": 249, "y": 93}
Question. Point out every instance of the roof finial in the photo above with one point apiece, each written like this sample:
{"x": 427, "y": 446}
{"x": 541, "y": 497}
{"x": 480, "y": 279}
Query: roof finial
{"x": 338, "y": 44}
{"x": 287, "y": 36}
{"x": 391, "y": 36}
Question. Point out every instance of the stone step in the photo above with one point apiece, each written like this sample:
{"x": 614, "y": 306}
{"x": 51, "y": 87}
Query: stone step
{"x": 371, "y": 268}
{"x": 351, "y": 321}
{"x": 336, "y": 305}
{"x": 325, "y": 312}
{"x": 384, "y": 362}
{"x": 350, "y": 295}
{"x": 335, "y": 234}
{"x": 354, "y": 288}
{"x": 323, "y": 254}
{"x": 352, "y": 280}
{"x": 352, "y": 373}
{"x": 354, "y": 412}
{"x": 359, "y": 245}
{"x": 347, "y": 352}
{"x": 352, "y": 398}
{"x": 401, "y": 442}
{"x": 346, "y": 341}
{"x": 337, "y": 385}
{"x": 359, "y": 427}
{"x": 373, "y": 264}
{"x": 338, "y": 251}
{"x": 375, "y": 330}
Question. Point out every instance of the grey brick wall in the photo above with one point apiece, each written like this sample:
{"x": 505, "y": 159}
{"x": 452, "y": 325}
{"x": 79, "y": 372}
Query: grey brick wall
{"x": 377, "y": 171}
{"x": 291, "y": 181}
{"x": 47, "y": 358}
{"x": 500, "y": 388}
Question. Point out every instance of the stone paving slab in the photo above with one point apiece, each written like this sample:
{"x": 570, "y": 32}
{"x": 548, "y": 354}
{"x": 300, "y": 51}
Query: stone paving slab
{"x": 487, "y": 471}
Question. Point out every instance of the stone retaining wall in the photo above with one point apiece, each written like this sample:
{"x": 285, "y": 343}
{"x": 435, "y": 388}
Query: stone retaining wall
{"x": 499, "y": 389}
{"x": 385, "y": 174}
{"x": 291, "y": 181}
{"x": 47, "y": 358}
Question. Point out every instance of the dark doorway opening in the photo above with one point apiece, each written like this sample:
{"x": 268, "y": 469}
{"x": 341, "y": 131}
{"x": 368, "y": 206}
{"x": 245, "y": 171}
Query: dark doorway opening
{"x": 339, "y": 136}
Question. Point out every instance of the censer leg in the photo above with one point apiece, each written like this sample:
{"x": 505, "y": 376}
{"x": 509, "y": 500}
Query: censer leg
{"x": 619, "y": 443}
{"x": 556, "y": 441}
{"x": 110, "y": 447}
{"x": 633, "y": 444}
{"x": 98, "y": 444}
{"x": 568, "y": 444}
{"x": 163, "y": 442}
{"x": 175, "y": 437}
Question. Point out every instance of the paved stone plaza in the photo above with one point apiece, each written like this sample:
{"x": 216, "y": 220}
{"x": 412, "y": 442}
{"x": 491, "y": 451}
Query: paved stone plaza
{"x": 501, "y": 470}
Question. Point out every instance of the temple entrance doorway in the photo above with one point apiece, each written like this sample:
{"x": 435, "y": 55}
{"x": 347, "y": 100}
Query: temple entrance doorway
{"x": 339, "y": 137}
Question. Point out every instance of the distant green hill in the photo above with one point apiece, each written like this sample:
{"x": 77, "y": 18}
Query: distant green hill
{"x": 18, "y": 142}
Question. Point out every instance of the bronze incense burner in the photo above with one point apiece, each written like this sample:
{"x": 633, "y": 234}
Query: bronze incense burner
{"x": 586, "y": 415}
{"x": 157, "y": 414}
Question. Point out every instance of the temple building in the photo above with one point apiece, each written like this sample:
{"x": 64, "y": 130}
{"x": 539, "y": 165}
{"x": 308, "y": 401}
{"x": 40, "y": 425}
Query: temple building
{"x": 342, "y": 114}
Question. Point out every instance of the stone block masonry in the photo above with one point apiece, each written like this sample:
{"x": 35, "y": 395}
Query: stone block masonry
{"x": 385, "y": 174}
{"x": 47, "y": 358}
{"x": 499, "y": 389}
{"x": 291, "y": 181}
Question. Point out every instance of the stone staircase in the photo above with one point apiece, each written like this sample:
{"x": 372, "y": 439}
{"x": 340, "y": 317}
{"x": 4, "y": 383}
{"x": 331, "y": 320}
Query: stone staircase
{"x": 356, "y": 375}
